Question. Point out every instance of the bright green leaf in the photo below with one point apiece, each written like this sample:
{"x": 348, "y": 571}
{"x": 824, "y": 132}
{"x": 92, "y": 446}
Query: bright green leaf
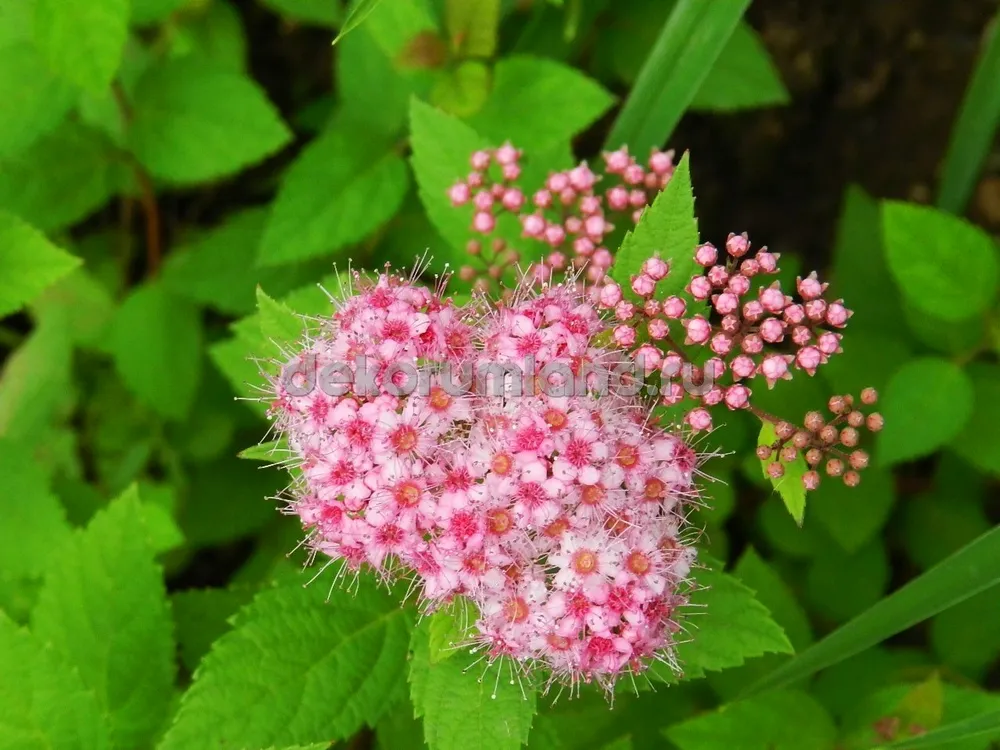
{"x": 473, "y": 26}
{"x": 926, "y": 404}
{"x": 775, "y": 594}
{"x": 789, "y": 485}
{"x": 215, "y": 36}
{"x": 667, "y": 229}
{"x": 340, "y": 190}
{"x": 743, "y": 76}
{"x": 34, "y": 99}
{"x": 43, "y": 703}
{"x": 979, "y": 441}
{"x": 464, "y": 90}
{"x": 942, "y": 264}
{"x": 104, "y": 610}
{"x": 296, "y": 669}
{"x": 278, "y": 324}
{"x": 448, "y": 628}
{"x": 29, "y": 263}
{"x": 156, "y": 342}
{"x": 359, "y": 11}
{"x": 538, "y": 104}
{"x": 193, "y": 122}
{"x": 787, "y": 720}
{"x": 83, "y": 39}
{"x": 146, "y": 12}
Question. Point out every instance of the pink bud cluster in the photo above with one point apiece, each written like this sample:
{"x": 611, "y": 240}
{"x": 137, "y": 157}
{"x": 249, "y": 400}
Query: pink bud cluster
{"x": 751, "y": 328}
{"x": 554, "y": 506}
{"x": 571, "y": 215}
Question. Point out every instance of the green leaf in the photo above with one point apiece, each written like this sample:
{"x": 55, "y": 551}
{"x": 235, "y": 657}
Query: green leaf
{"x": 34, "y": 522}
{"x": 296, "y": 669}
{"x": 472, "y": 26}
{"x": 34, "y": 99}
{"x": 735, "y": 626}
{"x": 146, "y": 12}
{"x": 789, "y": 485}
{"x": 215, "y": 36}
{"x": 743, "y": 76}
{"x": 979, "y": 441}
{"x": 193, "y": 122}
{"x": 854, "y": 515}
{"x": 974, "y": 568}
{"x": 870, "y": 359}
{"x": 467, "y": 708}
{"x": 29, "y": 263}
{"x": 63, "y": 178}
{"x": 464, "y": 90}
{"x": 449, "y": 627}
{"x": 973, "y": 132}
{"x": 278, "y": 323}
{"x": 942, "y": 264}
{"x": 104, "y": 610}
{"x": 82, "y": 39}
{"x": 840, "y": 585}
{"x": 359, "y": 11}
{"x": 341, "y": 188}
{"x": 985, "y": 726}
{"x": 692, "y": 39}
{"x": 967, "y": 636}
{"x": 441, "y": 149}
{"x": 318, "y": 12}
{"x": 926, "y": 404}
{"x": 538, "y": 104}
{"x": 43, "y": 703}
{"x": 201, "y": 617}
{"x": 269, "y": 452}
{"x": 668, "y": 229}
{"x": 156, "y": 343}
{"x": 775, "y": 594}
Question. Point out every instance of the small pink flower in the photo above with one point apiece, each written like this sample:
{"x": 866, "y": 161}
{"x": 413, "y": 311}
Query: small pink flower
{"x": 459, "y": 194}
{"x": 737, "y": 245}
{"x": 542, "y": 198}
{"x": 480, "y": 160}
{"x": 581, "y": 178}
{"x": 533, "y": 225}
{"x": 721, "y": 344}
{"x": 772, "y": 330}
{"x": 656, "y": 268}
{"x": 617, "y": 198}
{"x": 658, "y": 329}
{"x": 706, "y": 255}
{"x": 742, "y": 367}
{"x": 700, "y": 288}
{"x": 625, "y": 310}
{"x": 643, "y": 285}
{"x": 624, "y": 335}
{"x": 662, "y": 163}
{"x": 617, "y": 161}
{"x": 773, "y": 299}
{"x": 699, "y": 420}
{"x": 698, "y": 330}
{"x": 483, "y": 200}
{"x": 483, "y": 222}
{"x": 775, "y": 368}
{"x": 507, "y": 154}
{"x": 634, "y": 174}
{"x": 555, "y": 235}
{"x": 611, "y": 294}
{"x": 674, "y": 307}
{"x": 837, "y": 315}
{"x": 768, "y": 262}
{"x": 726, "y": 303}
{"x": 513, "y": 199}
{"x": 737, "y": 396}
{"x": 739, "y": 285}
{"x": 810, "y": 288}
{"x": 809, "y": 358}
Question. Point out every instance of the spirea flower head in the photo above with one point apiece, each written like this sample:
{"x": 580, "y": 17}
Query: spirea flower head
{"x": 486, "y": 452}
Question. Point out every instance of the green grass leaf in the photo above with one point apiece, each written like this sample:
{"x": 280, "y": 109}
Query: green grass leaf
{"x": 83, "y": 40}
{"x": 359, "y": 11}
{"x": 156, "y": 344}
{"x": 104, "y": 610}
{"x": 339, "y": 190}
{"x": 985, "y": 725}
{"x": 296, "y": 668}
{"x": 35, "y": 100}
{"x": 974, "y": 568}
{"x": 789, "y": 485}
{"x": 668, "y": 229}
{"x": 468, "y": 710}
{"x": 537, "y": 104}
{"x": 979, "y": 441}
{"x": 691, "y": 40}
{"x": 29, "y": 263}
{"x": 43, "y": 703}
{"x": 193, "y": 122}
{"x": 787, "y": 720}
{"x": 973, "y": 132}
{"x": 943, "y": 265}
{"x": 926, "y": 404}
{"x": 743, "y": 76}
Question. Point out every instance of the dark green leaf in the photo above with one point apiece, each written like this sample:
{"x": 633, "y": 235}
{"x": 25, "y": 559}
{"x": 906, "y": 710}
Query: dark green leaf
{"x": 319, "y": 12}
{"x": 979, "y": 442}
{"x": 854, "y": 515}
{"x": 201, "y": 617}
{"x": 743, "y": 76}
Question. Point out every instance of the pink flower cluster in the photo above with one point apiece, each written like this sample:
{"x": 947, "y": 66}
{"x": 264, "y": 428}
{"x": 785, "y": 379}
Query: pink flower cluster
{"x": 560, "y": 517}
{"x": 571, "y": 214}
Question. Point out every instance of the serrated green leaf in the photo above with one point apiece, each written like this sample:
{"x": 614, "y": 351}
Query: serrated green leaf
{"x": 743, "y": 76}
{"x": 104, "y": 610}
{"x": 448, "y": 628}
{"x": 974, "y": 568}
{"x": 156, "y": 343}
{"x": 789, "y": 485}
{"x": 787, "y": 720}
{"x": 441, "y": 149}
{"x": 43, "y": 703}
{"x": 731, "y": 627}
{"x": 278, "y": 324}
{"x": 35, "y": 100}
{"x": 538, "y": 104}
{"x": 773, "y": 592}
{"x": 192, "y": 122}
{"x": 82, "y": 40}
{"x": 342, "y": 187}
{"x": 668, "y": 229}
{"x": 269, "y": 452}
{"x": 34, "y": 522}
{"x": 468, "y": 709}
{"x": 979, "y": 441}
{"x": 201, "y": 617}
{"x": 854, "y": 515}
{"x": 63, "y": 178}
{"x": 693, "y": 37}
{"x": 29, "y": 263}
{"x": 943, "y": 265}
{"x": 319, "y": 12}
{"x": 359, "y": 11}
{"x": 296, "y": 669}
{"x": 926, "y": 404}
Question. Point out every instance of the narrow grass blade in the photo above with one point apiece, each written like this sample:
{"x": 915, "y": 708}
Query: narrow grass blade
{"x": 973, "y": 132}
{"x": 692, "y": 38}
{"x": 976, "y": 726}
{"x": 358, "y": 13}
{"x": 974, "y": 568}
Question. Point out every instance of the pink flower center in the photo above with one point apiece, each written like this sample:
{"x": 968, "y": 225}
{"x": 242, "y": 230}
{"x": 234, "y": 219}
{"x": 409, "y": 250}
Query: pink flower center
{"x": 404, "y": 439}
{"x": 638, "y": 562}
{"x": 407, "y": 494}
{"x": 515, "y": 609}
{"x": 499, "y": 521}
{"x": 584, "y": 562}
{"x": 577, "y": 453}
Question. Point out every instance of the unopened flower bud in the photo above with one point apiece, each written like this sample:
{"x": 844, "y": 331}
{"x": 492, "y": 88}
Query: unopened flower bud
{"x": 810, "y": 480}
{"x": 834, "y": 467}
{"x": 869, "y": 396}
{"x": 852, "y": 478}
{"x": 858, "y": 460}
{"x": 789, "y": 453}
{"x": 784, "y": 430}
{"x": 814, "y": 456}
{"x": 801, "y": 439}
{"x": 814, "y": 421}
{"x": 764, "y": 452}
{"x": 875, "y": 422}
{"x": 775, "y": 470}
{"x": 849, "y": 437}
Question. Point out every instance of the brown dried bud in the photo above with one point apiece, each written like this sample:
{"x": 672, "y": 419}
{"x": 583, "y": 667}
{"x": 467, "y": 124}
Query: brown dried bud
{"x": 855, "y": 419}
{"x": 763, "y": 452}
{"x": 810, "y": 480}
{"x": 814, "y": 421}
{"x": 837, "y": 404}
{"x": 784, "y": 430}
{"x": 829, "y": 434}
{"x": 775, "y": 470}
{"x": 869, "y": 396}
{"x": 789, "y": 454}
{"x": 849, "y": 437}
{"x": 495, "y": 272}
{"x": 875, "y": 422}
{"x": 834, "y": 467}
{"x": 814, "y": 456}
{"x": 852, "y": 478}
{"x": 859, "y": 460}
{"x": 802, "y": 439}
{"x": 498, "y": 245}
